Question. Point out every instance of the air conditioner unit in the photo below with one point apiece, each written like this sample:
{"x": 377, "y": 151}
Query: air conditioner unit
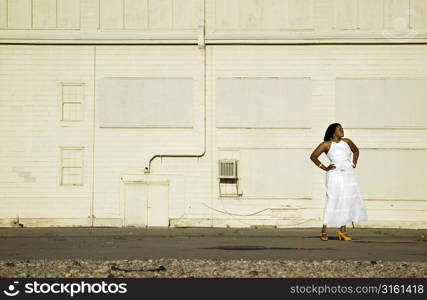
{"x": 228, "y": 168}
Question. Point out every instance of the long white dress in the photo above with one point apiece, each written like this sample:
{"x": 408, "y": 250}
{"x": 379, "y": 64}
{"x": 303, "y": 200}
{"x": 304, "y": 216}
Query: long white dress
{"x": 344, "y": 202}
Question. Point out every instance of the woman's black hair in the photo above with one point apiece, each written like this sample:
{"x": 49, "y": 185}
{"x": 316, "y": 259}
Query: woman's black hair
{"x": 330, "y": 131}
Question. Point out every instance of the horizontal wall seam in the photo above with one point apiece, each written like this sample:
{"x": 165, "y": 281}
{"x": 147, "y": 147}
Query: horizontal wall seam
{"x": 207, "y": 44}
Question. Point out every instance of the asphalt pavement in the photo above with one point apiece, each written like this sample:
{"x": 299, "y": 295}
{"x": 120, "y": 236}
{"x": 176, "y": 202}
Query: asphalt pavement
{"x": 212, "y": 243}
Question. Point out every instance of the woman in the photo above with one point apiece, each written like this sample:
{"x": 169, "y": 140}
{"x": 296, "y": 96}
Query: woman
{"x": 344, "y": 202}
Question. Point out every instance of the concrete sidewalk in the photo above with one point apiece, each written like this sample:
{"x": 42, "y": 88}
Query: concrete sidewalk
{"x": 212, "y": 243}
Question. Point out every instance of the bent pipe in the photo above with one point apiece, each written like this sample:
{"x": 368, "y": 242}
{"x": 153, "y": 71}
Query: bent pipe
{"x": 148, "y": 168}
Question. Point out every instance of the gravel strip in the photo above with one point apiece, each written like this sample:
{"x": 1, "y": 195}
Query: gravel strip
{"x": 181, "y": 268}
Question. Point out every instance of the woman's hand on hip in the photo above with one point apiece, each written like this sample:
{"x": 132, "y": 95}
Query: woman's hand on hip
{"x": 330, "y": 167}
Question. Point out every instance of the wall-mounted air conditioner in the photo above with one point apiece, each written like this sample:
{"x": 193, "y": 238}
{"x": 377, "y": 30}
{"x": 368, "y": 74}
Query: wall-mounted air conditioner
{"x": 228, "y": 169}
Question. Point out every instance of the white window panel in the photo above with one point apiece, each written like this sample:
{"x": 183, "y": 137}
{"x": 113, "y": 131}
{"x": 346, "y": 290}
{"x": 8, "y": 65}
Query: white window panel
{"x": 71, "y": 165}
{"x": 72, "y": 102}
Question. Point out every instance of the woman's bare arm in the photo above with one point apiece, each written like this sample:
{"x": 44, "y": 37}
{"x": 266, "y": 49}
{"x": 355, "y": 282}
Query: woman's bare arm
{"x": 317, "y": 152}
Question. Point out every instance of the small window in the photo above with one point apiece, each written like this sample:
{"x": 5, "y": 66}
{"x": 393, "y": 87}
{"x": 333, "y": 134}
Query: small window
{"x": 72, "y": 101}
{"x": 72, "y": 166}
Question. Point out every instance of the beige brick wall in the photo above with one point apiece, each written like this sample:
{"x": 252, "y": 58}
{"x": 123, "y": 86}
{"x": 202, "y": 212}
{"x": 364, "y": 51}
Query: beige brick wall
{"x": 392, "y": 164}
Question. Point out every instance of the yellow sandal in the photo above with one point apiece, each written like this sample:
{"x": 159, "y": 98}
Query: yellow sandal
{"x": 343, "y": 235}
{"x": 324, "y": 236}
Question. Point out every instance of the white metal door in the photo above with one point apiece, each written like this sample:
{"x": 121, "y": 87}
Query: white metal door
{"x": 135, "y": 205}
{"x": 158, "y": 204}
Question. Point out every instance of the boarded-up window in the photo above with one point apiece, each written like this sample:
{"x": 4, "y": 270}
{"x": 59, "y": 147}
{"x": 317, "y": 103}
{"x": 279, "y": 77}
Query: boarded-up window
{"x": 381, "y": 102}
{"x": 143, "y": 102}
{"x": 275, "y": 173}
{"x": 72, "y": 101}
{"x": 263, "y": 102}
{"x": 72, "y": 166}
{"x": 380, "y": 167}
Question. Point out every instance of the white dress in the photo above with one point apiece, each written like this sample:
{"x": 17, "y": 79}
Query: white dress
{"x": 344, "y": 202}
